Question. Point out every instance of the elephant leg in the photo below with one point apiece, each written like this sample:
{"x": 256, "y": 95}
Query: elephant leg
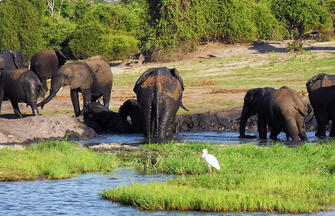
{"x": 2, "y": 93}
{"x": 321, "y": 127}
{"x": 274, "y": 133}
{"x": 45, "y": 85}
{"x": 107, "y": 95}
{"x": 16, "y": 109}
{"x": 75, "y": 102}
{"x": 147, "y": 122}
{"x": 32, "y": 93}
{"x": 331, "y": 132}
{"x": 87, "y": 97}
{"x": 262, "y": 130}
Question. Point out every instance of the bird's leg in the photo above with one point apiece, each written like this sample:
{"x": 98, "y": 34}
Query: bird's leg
{"x": 210, "y": 171}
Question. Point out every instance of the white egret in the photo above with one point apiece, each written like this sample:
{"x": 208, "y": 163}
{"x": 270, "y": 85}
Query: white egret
{"x": 210, "y": 160}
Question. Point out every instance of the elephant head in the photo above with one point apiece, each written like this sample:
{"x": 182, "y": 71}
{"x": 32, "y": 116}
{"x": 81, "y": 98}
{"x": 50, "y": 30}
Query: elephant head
{"x": 76, "y": 74}
{"x": 13, "y": 60}
{"x": 132, "y": 108}
{"x": 253, "y": 103}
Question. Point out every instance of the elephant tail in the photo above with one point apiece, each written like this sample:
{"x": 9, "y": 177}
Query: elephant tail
{"x": 182, "y": 106}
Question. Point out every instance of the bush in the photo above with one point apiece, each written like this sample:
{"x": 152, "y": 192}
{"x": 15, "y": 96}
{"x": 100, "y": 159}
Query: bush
{"x": 19, "y": 29}
{"x": 300, "y": 16}
{"x": 86, "y": 39}
{"x": 117, "y": 46}
{"x": 56, "y": 31}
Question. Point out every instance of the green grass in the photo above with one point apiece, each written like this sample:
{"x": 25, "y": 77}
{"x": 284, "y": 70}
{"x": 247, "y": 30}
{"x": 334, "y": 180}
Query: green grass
{"x": 52, "y": 160}
{"x": 272, "y": 179}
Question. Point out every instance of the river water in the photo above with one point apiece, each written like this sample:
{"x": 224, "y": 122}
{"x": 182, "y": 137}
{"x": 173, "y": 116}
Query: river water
{"x": 215, "y": 138}
{"x": 80, "y": 195}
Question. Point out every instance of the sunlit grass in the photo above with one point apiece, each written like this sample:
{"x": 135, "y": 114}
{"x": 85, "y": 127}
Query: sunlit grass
{"x": 52, "y": 160}
{"x": 273, "y": 178}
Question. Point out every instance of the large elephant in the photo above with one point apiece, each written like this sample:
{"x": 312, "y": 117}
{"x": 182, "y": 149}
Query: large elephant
{"x": 322, "y": 96}
{"x": 132, "y": 108}
{"x": 96, "y": 113}
{"x": 45, "y": 63}
{"x": 281, "y": 110}
{"x": 13, "y": 60}
{"x": 93, "y": 79}
{"x": 159, "y": 92}
{"x": 20, "y": 85}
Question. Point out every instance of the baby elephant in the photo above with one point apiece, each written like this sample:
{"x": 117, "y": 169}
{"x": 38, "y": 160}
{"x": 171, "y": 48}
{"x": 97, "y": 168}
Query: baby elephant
{"x": 20, "y": 85}
{"x": 281, "y": 110}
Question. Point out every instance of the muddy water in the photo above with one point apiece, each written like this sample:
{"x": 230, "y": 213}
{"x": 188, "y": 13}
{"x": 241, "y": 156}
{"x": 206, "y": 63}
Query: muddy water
{"x": 216, "y": 138}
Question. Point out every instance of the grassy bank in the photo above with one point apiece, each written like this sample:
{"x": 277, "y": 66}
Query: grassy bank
{"x": 272, "y": 179}
{"x": 52, "y": 160}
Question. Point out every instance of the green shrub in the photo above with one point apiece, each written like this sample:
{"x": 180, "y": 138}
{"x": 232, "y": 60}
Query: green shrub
{"x": 85, "y": 40}
{"x": 117, "y": 46}
{"x": 20, "y": 29}
{"x": 301, "y": 16}
{"x": 56, "y": 31}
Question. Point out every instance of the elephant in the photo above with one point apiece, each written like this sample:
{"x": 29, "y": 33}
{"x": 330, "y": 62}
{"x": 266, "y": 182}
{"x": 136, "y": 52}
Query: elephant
{"x": 93, "y": 79}
{"x": 45, "y": 63}
{"x": 321, "y": 96}
{"x": 282, "y": 110}
{"x": 96, "y": 113}
{"x": 13, "y": 60}
{"x": 132, "y": 108}
{"x": 20, "y": 85}
{"x": 159, "y": 92}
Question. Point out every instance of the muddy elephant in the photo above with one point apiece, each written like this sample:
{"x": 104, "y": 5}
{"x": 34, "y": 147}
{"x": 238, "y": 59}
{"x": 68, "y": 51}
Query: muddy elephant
{"x": 98, "y": 116}
{"x": 13, "y": 60}
{"x": 132, "y": 108}
{"x": 93, "y": 79}
{"x": 45, "y": 63}
{"x": 281, "y": 110}
{"x": 321, "y": 93}
{"x": 20, "y": 86}
{"x": 159, "y": 92}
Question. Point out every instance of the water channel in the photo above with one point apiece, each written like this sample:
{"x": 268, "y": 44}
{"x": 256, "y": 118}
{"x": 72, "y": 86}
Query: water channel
{"x": 80, "y": 195}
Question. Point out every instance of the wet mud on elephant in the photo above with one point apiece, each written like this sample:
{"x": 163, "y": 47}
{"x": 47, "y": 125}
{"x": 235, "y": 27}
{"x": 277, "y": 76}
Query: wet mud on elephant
{"x": 159, "y": 92}
{"x": 131, "y": 108}
{"x": 93, "y": 80}
{"x": 102, "y": 119}
{"x": 321, "y": 93}
{"x": 20, "y": 86}
{"x": 279, "y": 110}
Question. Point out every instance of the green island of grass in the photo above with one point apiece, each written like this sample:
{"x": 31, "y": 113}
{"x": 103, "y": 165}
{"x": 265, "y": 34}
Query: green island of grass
{"x": 52, "y": 160}
{"x": 252, "y": 178}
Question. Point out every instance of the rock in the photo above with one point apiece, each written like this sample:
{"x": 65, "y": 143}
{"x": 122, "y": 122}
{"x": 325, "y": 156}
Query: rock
{"x": 38, "y": 128}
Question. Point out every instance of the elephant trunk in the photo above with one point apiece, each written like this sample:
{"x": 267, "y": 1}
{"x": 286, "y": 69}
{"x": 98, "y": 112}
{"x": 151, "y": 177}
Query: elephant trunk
{"x": 56, "y": 85}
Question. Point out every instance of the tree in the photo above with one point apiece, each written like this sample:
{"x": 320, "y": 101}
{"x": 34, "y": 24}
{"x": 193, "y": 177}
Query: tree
{"x": 301, "y": 16}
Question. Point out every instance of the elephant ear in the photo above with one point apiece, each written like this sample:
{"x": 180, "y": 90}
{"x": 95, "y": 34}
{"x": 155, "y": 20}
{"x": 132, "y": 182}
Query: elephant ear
{"x": 174, "y": 73}
{"x": 20, "y": 60}
{"x": 61, "y": 57}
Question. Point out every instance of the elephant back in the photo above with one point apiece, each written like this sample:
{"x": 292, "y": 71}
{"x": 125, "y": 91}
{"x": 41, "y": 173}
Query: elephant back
{"x": 320, "y": 80}
{"x": 101, "y": 70}
{"x": 165, "y": 81}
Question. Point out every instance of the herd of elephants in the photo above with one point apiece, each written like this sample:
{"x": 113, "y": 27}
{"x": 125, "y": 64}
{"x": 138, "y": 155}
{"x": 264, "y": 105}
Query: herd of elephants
{"x": 159, "y": 95}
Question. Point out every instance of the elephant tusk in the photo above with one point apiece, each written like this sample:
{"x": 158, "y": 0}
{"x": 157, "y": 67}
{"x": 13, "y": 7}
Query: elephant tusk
{"x": 182, "y": 106}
